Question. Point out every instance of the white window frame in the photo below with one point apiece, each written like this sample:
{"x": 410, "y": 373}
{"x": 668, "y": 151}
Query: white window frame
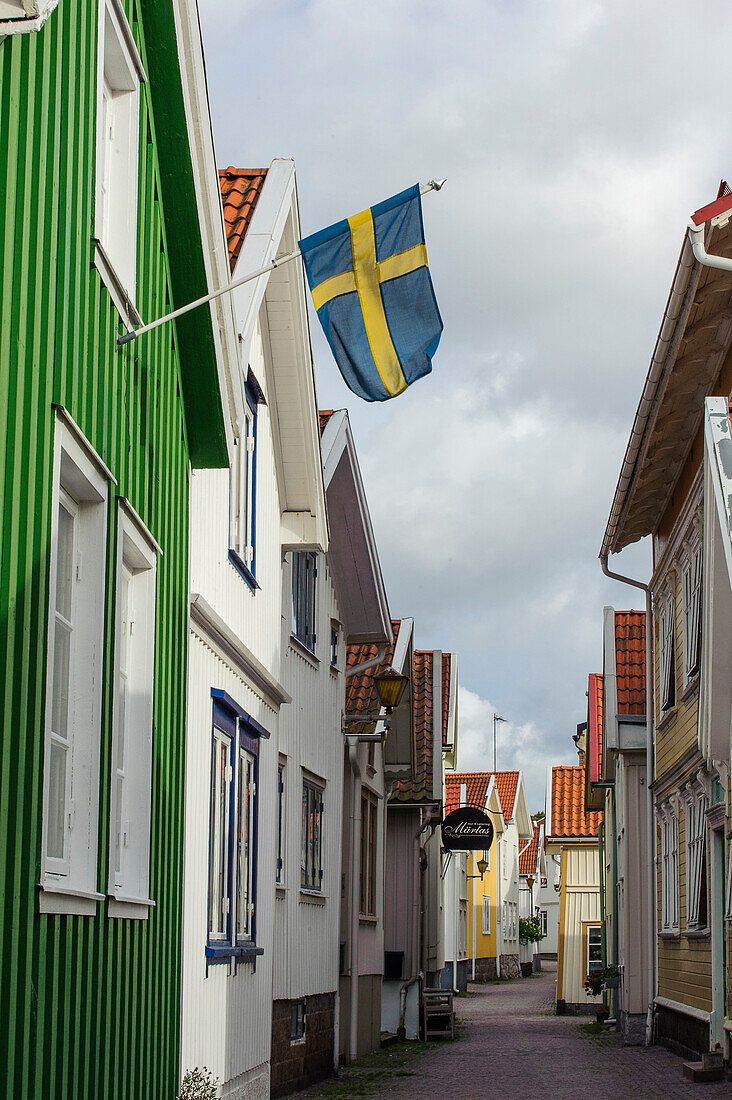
{"x": 69, "y": 884}
{"x": 219, "y": 833}
{"x": 669, "y": 824}
{"x": 242, "y": 492}
{"x": 487, "y": 858}
{"x": 317, "y": 788}
{"x": 695, "y": 805}
{"x": 281, "y": 821}
{"x": 246, "y": 823}
{"x": 120, "y": 73}
{"x": 486, "y": 915}
{"x": 667, "y": 650}
{"x": 691, "y": 587}
{"x": 544, "y": 921}
{"x": 132, "y": 725}
{"x": 592, "y": 926}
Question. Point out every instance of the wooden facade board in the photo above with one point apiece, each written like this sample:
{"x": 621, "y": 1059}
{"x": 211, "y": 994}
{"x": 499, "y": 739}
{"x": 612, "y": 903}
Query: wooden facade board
{"x": 91, "y": 1004}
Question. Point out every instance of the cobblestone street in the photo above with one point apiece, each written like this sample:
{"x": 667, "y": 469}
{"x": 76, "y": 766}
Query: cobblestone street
{"x": 512, "y": 1045}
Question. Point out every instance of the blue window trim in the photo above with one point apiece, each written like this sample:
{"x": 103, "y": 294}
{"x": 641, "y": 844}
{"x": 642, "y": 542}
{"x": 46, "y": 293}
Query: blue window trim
{"x": 244, "y": 732}
{"x": 254, "y": 397}
{"x": 305, "y": 632}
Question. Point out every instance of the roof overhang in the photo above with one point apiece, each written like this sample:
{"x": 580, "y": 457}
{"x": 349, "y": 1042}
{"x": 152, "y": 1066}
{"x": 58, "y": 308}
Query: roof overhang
{"x": 278, "y": 299}
{"x": 352, "y": 552}
{"x": 692, "y": 345}
{"x": 521, "y": 814}
{"x": 450, "y": 743}
{"x": 193, "y": 219}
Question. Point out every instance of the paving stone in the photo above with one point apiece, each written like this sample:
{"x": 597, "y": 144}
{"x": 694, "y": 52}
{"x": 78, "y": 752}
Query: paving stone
{"x": 512, "y": 1045}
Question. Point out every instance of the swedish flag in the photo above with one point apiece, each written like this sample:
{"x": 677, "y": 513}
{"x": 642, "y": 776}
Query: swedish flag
{"x": 373, "y": 293}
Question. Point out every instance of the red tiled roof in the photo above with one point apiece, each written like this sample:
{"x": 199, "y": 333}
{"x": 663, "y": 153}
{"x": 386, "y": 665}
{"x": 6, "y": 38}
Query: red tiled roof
{"x": 569, "y": 817}
{"x": 323, "y": 417}
{"x": 476, "y": 784}
{"x": 419, "y": 787}
{"x": 594, "y": 728}
{"x": 630, "y": 661}
{"x": 530, "y": 855}
{"x": 446, "y": 670}
{"x": 361, "y": 696}
{"x": 240, "y": 190}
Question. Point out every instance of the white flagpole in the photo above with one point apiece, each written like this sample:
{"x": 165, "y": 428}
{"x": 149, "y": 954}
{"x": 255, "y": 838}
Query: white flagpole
{"x": 431, "y": 185}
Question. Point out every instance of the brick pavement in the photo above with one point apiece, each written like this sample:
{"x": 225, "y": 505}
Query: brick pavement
{"x": 512, "y": 1045}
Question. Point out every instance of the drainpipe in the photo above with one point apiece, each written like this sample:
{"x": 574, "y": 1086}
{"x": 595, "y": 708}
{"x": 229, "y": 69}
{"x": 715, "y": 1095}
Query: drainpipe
{"x": 696, "y": 234}
{"x": 651, "y": 823}
{"x": 416, "y": 927}
{"x": 355, "y": 887}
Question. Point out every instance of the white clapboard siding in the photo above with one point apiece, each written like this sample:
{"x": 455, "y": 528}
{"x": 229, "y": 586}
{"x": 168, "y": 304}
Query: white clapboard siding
{"x": 226, "y": 1018}
{"x": 581, "y": 902}
{"x": 253, "y": 616}
{"x": 310, "y": 737}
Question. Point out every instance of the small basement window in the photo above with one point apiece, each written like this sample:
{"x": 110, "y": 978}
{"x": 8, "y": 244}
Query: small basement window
{"x": 297, "y": 1022}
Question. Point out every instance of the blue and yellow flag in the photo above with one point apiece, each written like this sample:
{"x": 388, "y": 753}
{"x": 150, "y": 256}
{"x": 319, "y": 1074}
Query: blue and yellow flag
{"x": 373, "y": 293}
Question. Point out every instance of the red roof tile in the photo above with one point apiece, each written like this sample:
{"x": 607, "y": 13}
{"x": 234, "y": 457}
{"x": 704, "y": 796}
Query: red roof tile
{"x": 630, "y": 661}
{"x": 569, "y": 817}
{"x": 240, "y": 190}
{"x": 361, "y": 695}
{"x": 323, "y": 417}
{"x": 594, "y": 728}
{"x": 476, "y": 784}
{"x": 419, "y": 787}
{"x": 530, "y": 855}
{"x": 446, "y": 671}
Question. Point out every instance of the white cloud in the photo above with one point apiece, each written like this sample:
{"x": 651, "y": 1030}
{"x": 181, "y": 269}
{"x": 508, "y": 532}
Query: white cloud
{"x": 577, "y": 136}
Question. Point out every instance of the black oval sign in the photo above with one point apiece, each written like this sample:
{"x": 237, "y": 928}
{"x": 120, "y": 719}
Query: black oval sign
{"x": 467, "y": 829}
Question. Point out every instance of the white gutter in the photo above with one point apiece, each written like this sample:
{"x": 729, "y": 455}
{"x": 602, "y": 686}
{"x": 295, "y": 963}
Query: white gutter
{"x": 651, "y": 822}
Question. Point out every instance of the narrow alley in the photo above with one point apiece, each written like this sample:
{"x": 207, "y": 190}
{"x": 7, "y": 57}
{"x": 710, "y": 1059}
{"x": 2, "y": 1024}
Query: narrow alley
{"x": 511, "y": 1044}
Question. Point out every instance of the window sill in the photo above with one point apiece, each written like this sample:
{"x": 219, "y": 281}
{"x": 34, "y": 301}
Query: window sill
{"x": 335, "y": 671}
{"x": 696, "y": 933}
{"x": 302, "y": 650}
{"x": 670, "y": 937}
{"x": 280, "y": 891}
{"x": 122, "y": 303}
{"x": 691, "y": 688}
{"x": 129, "y": 908}
{"x": 243, "y": 570}
{"x": 666, "y": 721}
{"x": 365, "y": 918}
{"x": 312, "y": 897}
{"x": 223, "y": 952}
{"x": 60, "y": 898}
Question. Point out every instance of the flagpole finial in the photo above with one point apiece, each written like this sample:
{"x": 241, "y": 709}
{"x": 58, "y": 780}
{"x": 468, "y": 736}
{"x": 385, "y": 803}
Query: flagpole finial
{"x": 436, "y": 185}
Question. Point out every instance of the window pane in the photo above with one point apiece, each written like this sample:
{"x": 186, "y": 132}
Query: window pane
{"x": 218, "y": 883}
{"x": 64, "y": 561}
{"x": 61, "y": 668}
{"x": 244, "y": 845}
{"x": 56, "y": 802}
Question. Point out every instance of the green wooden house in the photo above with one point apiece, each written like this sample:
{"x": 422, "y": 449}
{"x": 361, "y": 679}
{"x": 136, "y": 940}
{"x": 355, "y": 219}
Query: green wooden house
{"x": 106, "y": 216}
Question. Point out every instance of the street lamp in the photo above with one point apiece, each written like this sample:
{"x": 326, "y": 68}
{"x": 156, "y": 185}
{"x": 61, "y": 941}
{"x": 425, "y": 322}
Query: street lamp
{"x": 390, "y": 686}
{"x": 496, "y": 718}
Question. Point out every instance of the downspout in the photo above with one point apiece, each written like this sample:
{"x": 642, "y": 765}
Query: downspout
{"x": 416, "y": 927}
{"x": 696, "y": 234}
{"x": 651, "y": 823}
{"x": 355, "y": 887}
{"x": 499, "y": 914}
{"x": 616, "y": 900}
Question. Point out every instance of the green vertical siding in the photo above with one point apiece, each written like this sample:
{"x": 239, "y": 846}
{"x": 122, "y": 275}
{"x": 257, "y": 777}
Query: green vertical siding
{"x": 89, "y": 1006}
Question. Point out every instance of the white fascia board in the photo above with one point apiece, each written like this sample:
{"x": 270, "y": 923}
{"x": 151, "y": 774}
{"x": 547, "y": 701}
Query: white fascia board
{"x": 261, "y": 244}
{"x": 521, "y": 814}
{"x": 337, "y": 438}
{"x": 609, "y": 680}
{"x": 210, "y": 211}
{"x": 437, "y": 765}
{"x": 402, "y": 649}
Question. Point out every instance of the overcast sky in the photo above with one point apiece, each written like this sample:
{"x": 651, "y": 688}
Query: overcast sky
{"x": 577, "y": 137}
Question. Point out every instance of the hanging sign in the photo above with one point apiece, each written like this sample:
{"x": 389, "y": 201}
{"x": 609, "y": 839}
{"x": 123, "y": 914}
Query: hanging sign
{"x": 467, "y": 829}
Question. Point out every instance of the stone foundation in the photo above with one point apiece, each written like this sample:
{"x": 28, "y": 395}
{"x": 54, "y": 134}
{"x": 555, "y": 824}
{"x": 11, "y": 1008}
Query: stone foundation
{"x": 299, "y": 1063}
{"x": 485, "y": 970}
{"x": 510, "y": 966}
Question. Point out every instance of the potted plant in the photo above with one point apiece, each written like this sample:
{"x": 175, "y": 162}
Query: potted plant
{"x": 594, "y": 983}
{"x": 611, "y": 977}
